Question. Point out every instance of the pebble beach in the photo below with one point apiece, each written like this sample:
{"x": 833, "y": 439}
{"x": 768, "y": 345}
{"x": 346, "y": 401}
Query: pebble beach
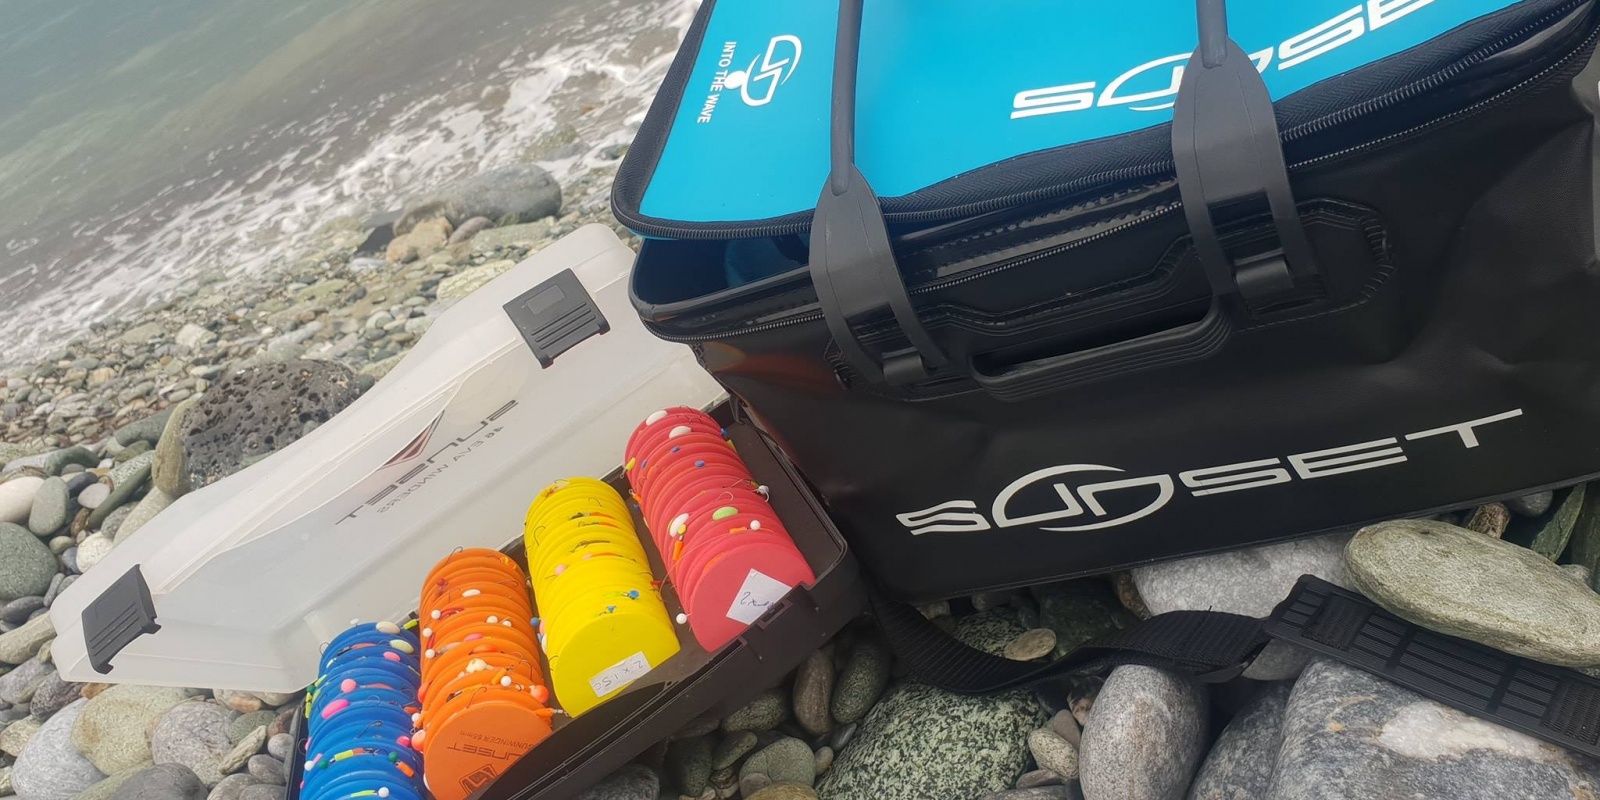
{"x": 121, "y": 414}
{"x": 105, "y": 434}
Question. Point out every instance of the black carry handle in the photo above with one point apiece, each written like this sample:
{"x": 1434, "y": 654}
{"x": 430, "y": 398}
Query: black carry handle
{"x": 1556, "y": 704}
{"x": 1187, "y": 343}
{"x": 852, "y": 265}
{"x": 1230, "y": 166}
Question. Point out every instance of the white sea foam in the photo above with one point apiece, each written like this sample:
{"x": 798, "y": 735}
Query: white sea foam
{"x": 598, "y": 79}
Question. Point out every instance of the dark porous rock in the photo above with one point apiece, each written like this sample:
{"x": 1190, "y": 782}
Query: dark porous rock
{"x": 787, "y": 760}
{"x": 53, "y": 695}
{"x": 764, "y": 713}
{"x": 688, "y": 764}
{"x": 921, "y": 742}
{"x": 52, "y": 508}
{"x": 26, "y": 564}
{"x": 813, "y": 694}
{"x": 1145, "y": 735}
{"x": 733, "y": 747}
{"x": 1241, "y": 763}
{"x": 508, "y": 195}
{"x": 1586, "y": 534}
{"x": 1348, "y": 734}
{"x": 144, "y": 430}
{"x": 633, "y": 782}
{"x": 1037, "y": 793}
{"x": 862, "y": 681}
{"x": 1458, "y": 582}
{"x": 21, "y": 609}
{"x": 1532, "y": 505}
{"x": 1078, "y": 611}
{"x": 161, "y": 782}
{"x": 258, "y": 411}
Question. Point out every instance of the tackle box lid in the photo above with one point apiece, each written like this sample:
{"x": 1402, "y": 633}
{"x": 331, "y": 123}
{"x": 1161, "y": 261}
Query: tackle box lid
{"x": 240, "y": 583}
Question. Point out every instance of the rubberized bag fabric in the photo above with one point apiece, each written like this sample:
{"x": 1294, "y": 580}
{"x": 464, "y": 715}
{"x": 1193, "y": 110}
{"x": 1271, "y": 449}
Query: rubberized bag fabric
{"x": 1089, "y": 352}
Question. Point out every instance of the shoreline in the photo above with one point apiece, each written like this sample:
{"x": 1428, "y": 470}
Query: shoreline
{"x": 330, "y": 303}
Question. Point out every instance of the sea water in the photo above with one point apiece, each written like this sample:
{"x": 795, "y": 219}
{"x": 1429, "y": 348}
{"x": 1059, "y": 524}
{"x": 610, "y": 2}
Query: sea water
{"x": 146, "y": 146}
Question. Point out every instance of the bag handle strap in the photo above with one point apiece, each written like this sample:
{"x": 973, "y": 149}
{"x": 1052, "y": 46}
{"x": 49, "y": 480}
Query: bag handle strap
{"x": 852, "y": 265}
{"x": 1229, "y": 162}
{"x": 1556, "y": 704}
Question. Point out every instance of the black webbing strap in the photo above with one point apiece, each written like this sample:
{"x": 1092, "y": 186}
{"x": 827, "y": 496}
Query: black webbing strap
{"x": 1556, "y": 704}
{"x": 1210, "y": 645}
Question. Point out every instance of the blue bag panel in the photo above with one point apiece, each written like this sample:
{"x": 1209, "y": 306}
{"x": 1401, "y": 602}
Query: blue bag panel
{"x": 949, "y": 86}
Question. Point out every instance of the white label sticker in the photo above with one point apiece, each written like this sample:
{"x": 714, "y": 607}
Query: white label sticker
{"x": 758, "y": 592}
{"x": 619, "y": 675}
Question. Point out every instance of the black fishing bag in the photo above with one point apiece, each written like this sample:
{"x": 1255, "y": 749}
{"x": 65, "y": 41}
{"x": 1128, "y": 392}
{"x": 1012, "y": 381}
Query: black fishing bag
{"x": 1336, "y": 266}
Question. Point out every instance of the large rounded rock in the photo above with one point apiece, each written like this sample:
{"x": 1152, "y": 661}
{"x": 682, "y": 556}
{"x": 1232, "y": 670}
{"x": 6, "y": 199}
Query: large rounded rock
{"x": 26, "y": 564}
{"x": 161, "y": 782}
{"x": 194, "y": 734}
{"x": 862, "y": 680}
{"x": 1250, "y": 582}
{"x": 1459, "y": 582}
{"x": 52, "y": 508}
{"x": 767, "y": 711}
{"x": 258, "y": 411}
{"x": 16, "y": 498}
{"x": 1144, "y": 737}
{"x": 1241, "y": 763}
{"x": 111, "y": 730}
{"x": 49, "y": 767}
{"x": 921, "y": 742}
{"x": 507, "y": 196}
{"x": 1347, "y": 734}
{"x": 813, "y": 693}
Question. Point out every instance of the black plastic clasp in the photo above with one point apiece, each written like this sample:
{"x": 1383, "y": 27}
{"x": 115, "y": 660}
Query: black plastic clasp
{"x": 122, "y": 613}
{"x": 555, "y": 316}
{"x": 1230, "y": 167}
{"x": 852, "y": 265}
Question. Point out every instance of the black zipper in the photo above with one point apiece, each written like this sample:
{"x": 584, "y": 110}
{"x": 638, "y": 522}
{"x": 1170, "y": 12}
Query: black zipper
{"x": 1153, "y": 170}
